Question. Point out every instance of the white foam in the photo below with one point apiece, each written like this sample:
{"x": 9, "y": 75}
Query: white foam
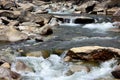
{"x": 99, "y": 26}
{"x": 54, "y": 68}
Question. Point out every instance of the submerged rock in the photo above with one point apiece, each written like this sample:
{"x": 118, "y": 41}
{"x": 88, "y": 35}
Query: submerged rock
{"x": 92, "y": 53}
{"x": 20, "y": 66}
{"x": 8, "y": 74}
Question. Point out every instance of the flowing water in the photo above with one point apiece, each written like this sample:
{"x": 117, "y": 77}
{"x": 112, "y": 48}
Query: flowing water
{"x": 66, "y": 36}
{"x": 54, "y": 68}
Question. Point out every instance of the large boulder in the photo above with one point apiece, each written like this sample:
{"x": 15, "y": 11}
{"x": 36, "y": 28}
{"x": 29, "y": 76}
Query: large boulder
{"x": 9, "y": 33}
{"x": 92, "y": 53}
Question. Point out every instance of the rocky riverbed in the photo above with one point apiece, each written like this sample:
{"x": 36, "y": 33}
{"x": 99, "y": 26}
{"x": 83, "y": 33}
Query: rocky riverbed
{"x": 59, "y": 40}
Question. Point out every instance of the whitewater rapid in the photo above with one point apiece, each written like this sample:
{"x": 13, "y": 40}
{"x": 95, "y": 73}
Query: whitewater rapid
{"x": 54, "y": 68}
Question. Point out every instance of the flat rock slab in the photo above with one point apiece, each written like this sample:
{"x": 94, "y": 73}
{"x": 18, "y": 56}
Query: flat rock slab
{"x": 92, "y": 53}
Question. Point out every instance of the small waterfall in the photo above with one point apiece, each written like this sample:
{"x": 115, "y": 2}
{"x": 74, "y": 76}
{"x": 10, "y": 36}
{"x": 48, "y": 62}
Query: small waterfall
{"x": 69, "y": 22}
{"x": 53, "y": 68}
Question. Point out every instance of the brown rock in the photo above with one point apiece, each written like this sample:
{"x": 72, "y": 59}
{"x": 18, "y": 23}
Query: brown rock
{"x": 44, "y": 54}
{"x": 117, "y": 12}
{"x": 46, "y": 30}
{"x": 26, "y": 6}
{"x": 6, "y": 65}
{"x": 10, "y": 14}
{"x": 77, "y": 68}
{"x": 93, "y": 53}
{"x": 8, "y": 4}
{"x": 7, "y": 74}
{"x": 87, "y": 7}
{"x": 116, "y": 72}
{"x": 20, "y": 66}
{"x": 11, "y": 34}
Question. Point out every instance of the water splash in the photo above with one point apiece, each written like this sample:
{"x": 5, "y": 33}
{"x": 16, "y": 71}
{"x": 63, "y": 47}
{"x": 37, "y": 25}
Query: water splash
{"x": 53, "y": 68}
{"x": 99, "y": 27}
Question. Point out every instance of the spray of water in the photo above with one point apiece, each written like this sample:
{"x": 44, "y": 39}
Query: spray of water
{"x": 99, "y": 26}
{"x": 53, "y": 68}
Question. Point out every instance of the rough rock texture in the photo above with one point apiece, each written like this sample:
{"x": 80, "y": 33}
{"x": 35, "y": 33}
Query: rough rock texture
{"x": 92, "y": 53}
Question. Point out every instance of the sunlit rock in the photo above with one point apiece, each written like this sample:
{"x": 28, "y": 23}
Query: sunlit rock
{"x": 9, "y": 33}
{"x": 46, "y": 30}
{"x": 44, "y": 54}
{"x": 93, "y": 53}
{"x": 6, "y": 65}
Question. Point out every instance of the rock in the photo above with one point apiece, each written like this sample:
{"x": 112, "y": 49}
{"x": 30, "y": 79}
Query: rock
{"x": 46, "y": 30}
{"x": 8, "y": 75}
{"x": 116, "y": 72}
{"x": 7, "y": 56}
{"x": 87, "y": 7}
{"x": 92, "y": 53}
{"x": 24, "y": 1}
{"x": 40, "y": 19}
{"x": 26, "y": 6}
{"x": 10, "y": 14}
{"x": 78, "y": 68}
{"x": 8, "y": 4}
{"x": 15, "y": 75}
{"x": 84, "y": 20}
{"x": 8, "y": 33}
{"x": 117, "y": 13}
{"x": 6, "y": 65}
{"x": 112, "y": 11}
{"x": 20, "y": 66}
{"x": 116, "y": 24}
{"x": 5, "y": 73}
{"x": 44, "y": 54}
{"x": 29, "y": 24}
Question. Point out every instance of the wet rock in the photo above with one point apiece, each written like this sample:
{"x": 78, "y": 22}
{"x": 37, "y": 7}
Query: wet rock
{"x": 15, "y": 75}
{"x": 116, "y": 24}
{"x": 92, "y": 53}
{"x": 7, "y": 55}
{"x": 20, "y": 66}
{"x": 78, "y": 68}
{"x": 8, "y": 74}
{"x": 8, "y": 4}
{"x": 84, "y": 20}
{"x": 8, "y": 33}
{"x": 44, "y": 54}
{"x": 46, "y": 30}
{"x": 116, "y": 72}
